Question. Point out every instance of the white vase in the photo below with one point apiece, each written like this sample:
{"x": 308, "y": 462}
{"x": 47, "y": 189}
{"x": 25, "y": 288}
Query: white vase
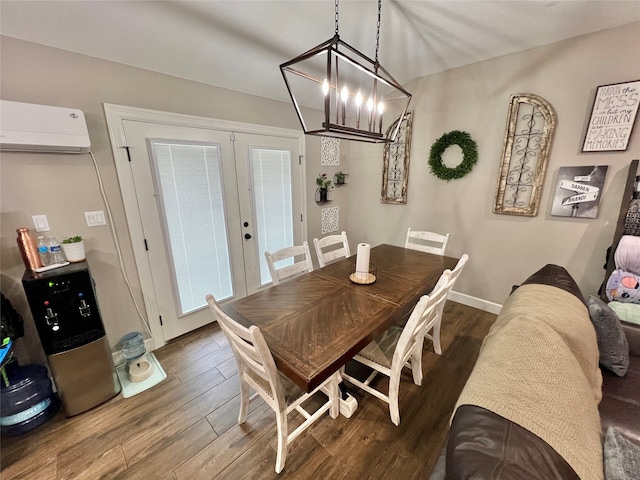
{"x": 74, "y": 252}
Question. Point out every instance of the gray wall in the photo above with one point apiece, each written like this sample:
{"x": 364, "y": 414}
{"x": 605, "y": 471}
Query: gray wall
{"x": 64, "y": 186}
{"x": 505, "y": 249}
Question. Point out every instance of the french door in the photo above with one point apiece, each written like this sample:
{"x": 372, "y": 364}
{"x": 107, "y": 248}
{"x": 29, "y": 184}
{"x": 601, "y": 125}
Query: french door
{"x": 209, "y": 201}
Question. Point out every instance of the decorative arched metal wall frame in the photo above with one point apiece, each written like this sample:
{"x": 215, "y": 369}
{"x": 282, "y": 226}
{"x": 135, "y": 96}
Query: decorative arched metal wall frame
{"x": 395, "y": 164}
{"x": 531, "y": 123}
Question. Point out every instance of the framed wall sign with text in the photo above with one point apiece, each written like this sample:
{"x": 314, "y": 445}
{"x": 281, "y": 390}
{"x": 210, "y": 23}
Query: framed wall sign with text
{"x": 579, "y": 191}
{"x": 614, "y": 112}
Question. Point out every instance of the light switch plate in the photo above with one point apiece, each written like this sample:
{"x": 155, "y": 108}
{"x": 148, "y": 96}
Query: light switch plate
{"x": 95, "y": 219}
{"x": 40, "y": 223}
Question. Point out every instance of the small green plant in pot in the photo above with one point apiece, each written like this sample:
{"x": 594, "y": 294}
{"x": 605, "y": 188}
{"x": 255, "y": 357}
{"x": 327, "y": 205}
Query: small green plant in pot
{"x": 324, "y": 184}
{"x": 73, "y": 248}
{"x": 341, "y": 178}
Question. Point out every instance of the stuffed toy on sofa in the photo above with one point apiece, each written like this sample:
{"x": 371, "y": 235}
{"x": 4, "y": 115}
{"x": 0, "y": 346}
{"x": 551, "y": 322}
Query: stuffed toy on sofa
{"x": 623, "y": 286}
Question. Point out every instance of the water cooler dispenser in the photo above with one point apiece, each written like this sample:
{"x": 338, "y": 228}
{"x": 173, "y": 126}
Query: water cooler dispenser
{"x": 66, "y": 315}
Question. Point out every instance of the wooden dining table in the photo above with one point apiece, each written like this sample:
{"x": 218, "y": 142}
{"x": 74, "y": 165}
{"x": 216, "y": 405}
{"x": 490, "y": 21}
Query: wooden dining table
{"x": 315, "y": 323}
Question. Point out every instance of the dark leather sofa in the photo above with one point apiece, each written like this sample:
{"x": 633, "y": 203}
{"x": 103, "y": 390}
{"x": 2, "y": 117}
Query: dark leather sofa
{"x": 484, "y": 445}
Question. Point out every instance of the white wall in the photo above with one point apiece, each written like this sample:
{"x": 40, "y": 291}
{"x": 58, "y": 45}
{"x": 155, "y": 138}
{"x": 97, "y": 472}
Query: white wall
{"x": 64, "y": 186}
{"x": 505, "y": 249}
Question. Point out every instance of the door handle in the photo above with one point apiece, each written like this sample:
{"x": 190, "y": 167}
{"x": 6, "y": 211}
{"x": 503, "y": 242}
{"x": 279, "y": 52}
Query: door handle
{"x": 246, "y": 224}
{"x": 247, "y": 236}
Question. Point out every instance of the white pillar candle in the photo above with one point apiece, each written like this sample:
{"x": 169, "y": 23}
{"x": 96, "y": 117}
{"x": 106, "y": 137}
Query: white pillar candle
{"x": 362, "y": 258}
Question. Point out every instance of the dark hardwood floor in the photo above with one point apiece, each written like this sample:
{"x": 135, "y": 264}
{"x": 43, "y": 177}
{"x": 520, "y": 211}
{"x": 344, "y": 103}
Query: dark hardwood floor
{"x": 186, "y": 427}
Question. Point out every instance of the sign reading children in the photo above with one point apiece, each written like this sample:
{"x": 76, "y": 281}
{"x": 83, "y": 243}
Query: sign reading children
{"x": 614, "y": 112}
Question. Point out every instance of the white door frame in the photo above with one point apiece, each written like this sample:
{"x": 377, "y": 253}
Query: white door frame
{"x": 115, "y": 115}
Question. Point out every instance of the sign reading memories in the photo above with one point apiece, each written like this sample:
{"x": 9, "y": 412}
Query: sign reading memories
{"x": 614, "y": 112}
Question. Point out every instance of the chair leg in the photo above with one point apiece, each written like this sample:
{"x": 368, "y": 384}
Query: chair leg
{"x": 436, "y": 338}
{"x": 281, "y": 455}
{"x": 394, "y": 410}
{"x": 416, "y": 364}
{"x": 244, "y": 401}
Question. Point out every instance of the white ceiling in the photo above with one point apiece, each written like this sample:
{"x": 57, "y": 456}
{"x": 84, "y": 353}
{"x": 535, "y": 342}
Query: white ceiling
{"x": 239, "y": 44}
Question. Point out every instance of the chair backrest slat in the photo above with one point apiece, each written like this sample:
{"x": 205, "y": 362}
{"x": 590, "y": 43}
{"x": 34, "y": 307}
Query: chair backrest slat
{"x": 455, "y": 273}
{"x": 279, "y": 274}
{"x": 429, "y": 242}
{"x": 325, "y": 258}
{"x": 453, "y": 277}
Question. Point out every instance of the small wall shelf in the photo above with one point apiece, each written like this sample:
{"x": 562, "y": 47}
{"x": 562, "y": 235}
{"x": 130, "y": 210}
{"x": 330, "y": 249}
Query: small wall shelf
{"x": 339, "y": 179}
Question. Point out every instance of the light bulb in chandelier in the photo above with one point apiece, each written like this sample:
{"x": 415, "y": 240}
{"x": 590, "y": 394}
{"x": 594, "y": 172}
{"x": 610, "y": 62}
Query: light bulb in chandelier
{"x": 325, "y": 87}
{"x": 380, "y": 111}
{"x": 358, "y": 107}
{"x": 344, "y": 95}
{"x": 370, "y": 108}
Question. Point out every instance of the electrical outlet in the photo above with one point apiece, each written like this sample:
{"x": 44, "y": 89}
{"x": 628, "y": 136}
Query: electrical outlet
{"x": 95, "y": 219}
{"x": 40, "y": 223}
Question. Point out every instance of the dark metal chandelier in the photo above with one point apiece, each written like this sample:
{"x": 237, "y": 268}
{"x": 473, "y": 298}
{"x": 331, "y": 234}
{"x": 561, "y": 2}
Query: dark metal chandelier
{"x": 353, "y": 91}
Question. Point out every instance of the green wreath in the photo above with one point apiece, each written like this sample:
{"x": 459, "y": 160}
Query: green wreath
{"x": 469, "y": 154}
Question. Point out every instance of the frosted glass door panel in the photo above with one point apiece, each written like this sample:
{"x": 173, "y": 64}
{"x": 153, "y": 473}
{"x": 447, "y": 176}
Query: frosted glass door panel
{"x": 190, "y": 190}
{"x": 197, "y": 190}
{"x": 273, "y": 203}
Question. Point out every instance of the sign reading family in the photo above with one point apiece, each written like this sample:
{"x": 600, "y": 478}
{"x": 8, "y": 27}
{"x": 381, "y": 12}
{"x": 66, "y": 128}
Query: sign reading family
{"x": 614, "y": 112}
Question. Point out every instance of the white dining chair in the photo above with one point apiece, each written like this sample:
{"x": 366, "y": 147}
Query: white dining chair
{"x": 429, "y": 242}
{"x": 398, "y": 347}
{"x": 434, "y": 336}
{"x": 326, "y": 257}
{"x": 257, "y": 370}
{"x": 291, "y": 267}
{"x": 433, "y": 330}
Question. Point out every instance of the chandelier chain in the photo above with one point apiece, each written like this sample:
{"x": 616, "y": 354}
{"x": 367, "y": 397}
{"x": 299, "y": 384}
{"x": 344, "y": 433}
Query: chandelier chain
{"x": 378, "y": 30}
{"x": 377, "y": 25}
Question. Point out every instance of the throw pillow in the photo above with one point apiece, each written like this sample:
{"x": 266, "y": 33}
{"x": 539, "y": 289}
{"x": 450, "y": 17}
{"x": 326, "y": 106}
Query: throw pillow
{"x": 621, "y": 456}
{"x": 612, "y": 342}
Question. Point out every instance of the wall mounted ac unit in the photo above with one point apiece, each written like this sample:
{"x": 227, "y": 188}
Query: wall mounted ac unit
{"x": 26, "y": 127}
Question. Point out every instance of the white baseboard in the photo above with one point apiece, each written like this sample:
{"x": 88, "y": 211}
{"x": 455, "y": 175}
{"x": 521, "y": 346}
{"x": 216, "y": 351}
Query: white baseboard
{"x": 118, "y": 359}
{"x": 475, "y": 302}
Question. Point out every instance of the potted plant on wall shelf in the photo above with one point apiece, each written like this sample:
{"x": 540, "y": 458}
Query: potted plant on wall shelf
{"x": 340, "y": 178}
{"x": 324, "y": 184}
{"x": 73, "y": 248}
